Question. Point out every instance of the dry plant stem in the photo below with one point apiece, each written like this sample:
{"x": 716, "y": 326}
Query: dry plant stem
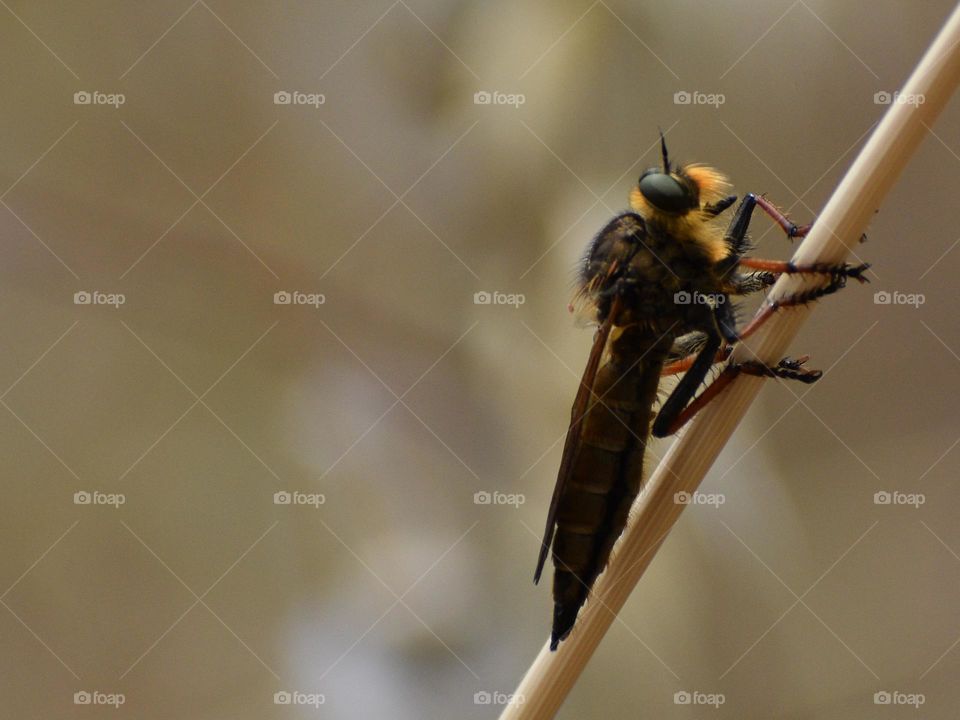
{"x": 846, "y": 215}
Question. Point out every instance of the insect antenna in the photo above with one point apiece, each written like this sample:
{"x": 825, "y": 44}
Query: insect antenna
{"x": 663, "y": 152}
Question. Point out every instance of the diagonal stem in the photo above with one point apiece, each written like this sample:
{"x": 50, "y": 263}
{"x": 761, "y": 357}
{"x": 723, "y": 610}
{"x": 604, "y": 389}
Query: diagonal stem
{"x": 846, "y": 215}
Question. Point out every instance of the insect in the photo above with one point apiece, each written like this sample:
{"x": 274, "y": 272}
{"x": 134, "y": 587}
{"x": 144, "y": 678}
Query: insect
{"x": 658, "y": 281}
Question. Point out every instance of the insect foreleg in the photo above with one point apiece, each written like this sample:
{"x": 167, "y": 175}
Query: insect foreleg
{"x": 780, "y": 218}
{"x": 736, "y": 234}
{"x": 714, "y": 209}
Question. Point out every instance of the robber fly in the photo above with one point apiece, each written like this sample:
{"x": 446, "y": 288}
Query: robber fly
{"x": 658, "y": 282}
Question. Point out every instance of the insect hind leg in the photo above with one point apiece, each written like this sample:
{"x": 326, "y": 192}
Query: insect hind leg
{"x": 677, "y": 401}
{"x": 786, "y": 369}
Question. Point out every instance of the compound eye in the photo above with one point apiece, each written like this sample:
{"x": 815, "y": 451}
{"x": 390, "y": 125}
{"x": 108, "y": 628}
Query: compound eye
{"x": 665, "y": 193}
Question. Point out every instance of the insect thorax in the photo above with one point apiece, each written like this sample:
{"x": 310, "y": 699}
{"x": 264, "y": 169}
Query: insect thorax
{"x": 661, "y": 270}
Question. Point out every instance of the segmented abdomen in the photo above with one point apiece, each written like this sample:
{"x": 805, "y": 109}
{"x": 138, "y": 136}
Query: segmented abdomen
{"x": 607, "y": 471}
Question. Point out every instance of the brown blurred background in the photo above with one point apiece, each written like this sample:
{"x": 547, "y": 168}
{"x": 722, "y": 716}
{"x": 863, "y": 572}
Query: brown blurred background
{"x": 185, "y": 391}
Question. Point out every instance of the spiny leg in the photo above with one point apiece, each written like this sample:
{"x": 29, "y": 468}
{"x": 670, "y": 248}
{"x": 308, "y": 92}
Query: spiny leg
{"x": 837, "y": 282}
{"x": 684, "y": 363}
{"x": 736, "y": 238}
{"x": 786, "y": 369}
{"x": 695, "y": 375}
{"x": 679, "y": 412}
{"x": 736, "y": 235}
{"x": 687, "y": 347}
{"x": 681, "y": 405}
{"x": 714, "y": 209}
{"x": 788, "y": 267}
{"x": 787, "y": 225}
{"x": 768, "y": 272}
{"x": 780, "y": 218}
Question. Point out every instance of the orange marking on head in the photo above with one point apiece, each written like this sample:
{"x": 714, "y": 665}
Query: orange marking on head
{"x": 712, "y": 183}
{"x": 638, "y": 203}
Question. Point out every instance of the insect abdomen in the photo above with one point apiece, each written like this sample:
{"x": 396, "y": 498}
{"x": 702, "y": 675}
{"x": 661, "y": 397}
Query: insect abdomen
{"x": 604, "y": 480}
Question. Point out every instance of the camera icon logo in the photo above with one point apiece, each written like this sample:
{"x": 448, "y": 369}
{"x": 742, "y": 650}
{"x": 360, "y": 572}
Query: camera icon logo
{"x": 482, "y": 97}
{"x": 681, "y": 298}
{"x": 682, "y": 498}
{"x": 482, "y": 498}
{"x": 282, "y": 697}
{"x": 882, "y": 697}
{"x": 82, "y": 98}
{"x": 682, "y": 697}
{"x": 82, "y": 298}
{"x": 282, "y": 497}
{"x": 282, "y": 297}
{"x": 82, "y": 698}
{"x": 282, "y": 97}
{"x": 482, "y": 298}
{"x": 482, "y": 698}
{"x": 682, "y": 97}
{"x": 882, "y": 497}
{"x": 882, "y": 98}
{"x": 82, "y": 497}
{"x": 882, "y": 297}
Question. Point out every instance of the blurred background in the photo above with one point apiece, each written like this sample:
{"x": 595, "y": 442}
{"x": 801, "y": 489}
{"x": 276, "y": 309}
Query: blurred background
{"x": 286, "y": 361}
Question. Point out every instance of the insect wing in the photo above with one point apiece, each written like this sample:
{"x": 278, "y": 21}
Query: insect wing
{"x": 572, "y": 444}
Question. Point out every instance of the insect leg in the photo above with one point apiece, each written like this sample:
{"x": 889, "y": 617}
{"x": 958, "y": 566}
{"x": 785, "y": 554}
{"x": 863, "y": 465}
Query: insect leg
{"x": 791, "y": 229}
{"x": 736, "y": 234}
{"x": 790, "y": 268}
{"x": 786, "y": 369}
{"x": 714, "y": 209}
{"x": 736, "y": 239}
{"x": 751, "y": 283}
{"x": 687, "y": 347}
{"x": 683, "y": 364}
{"x": 687, "y": 387}
{"x": 780, "y": 218}
{"x": 837, "y": 282}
